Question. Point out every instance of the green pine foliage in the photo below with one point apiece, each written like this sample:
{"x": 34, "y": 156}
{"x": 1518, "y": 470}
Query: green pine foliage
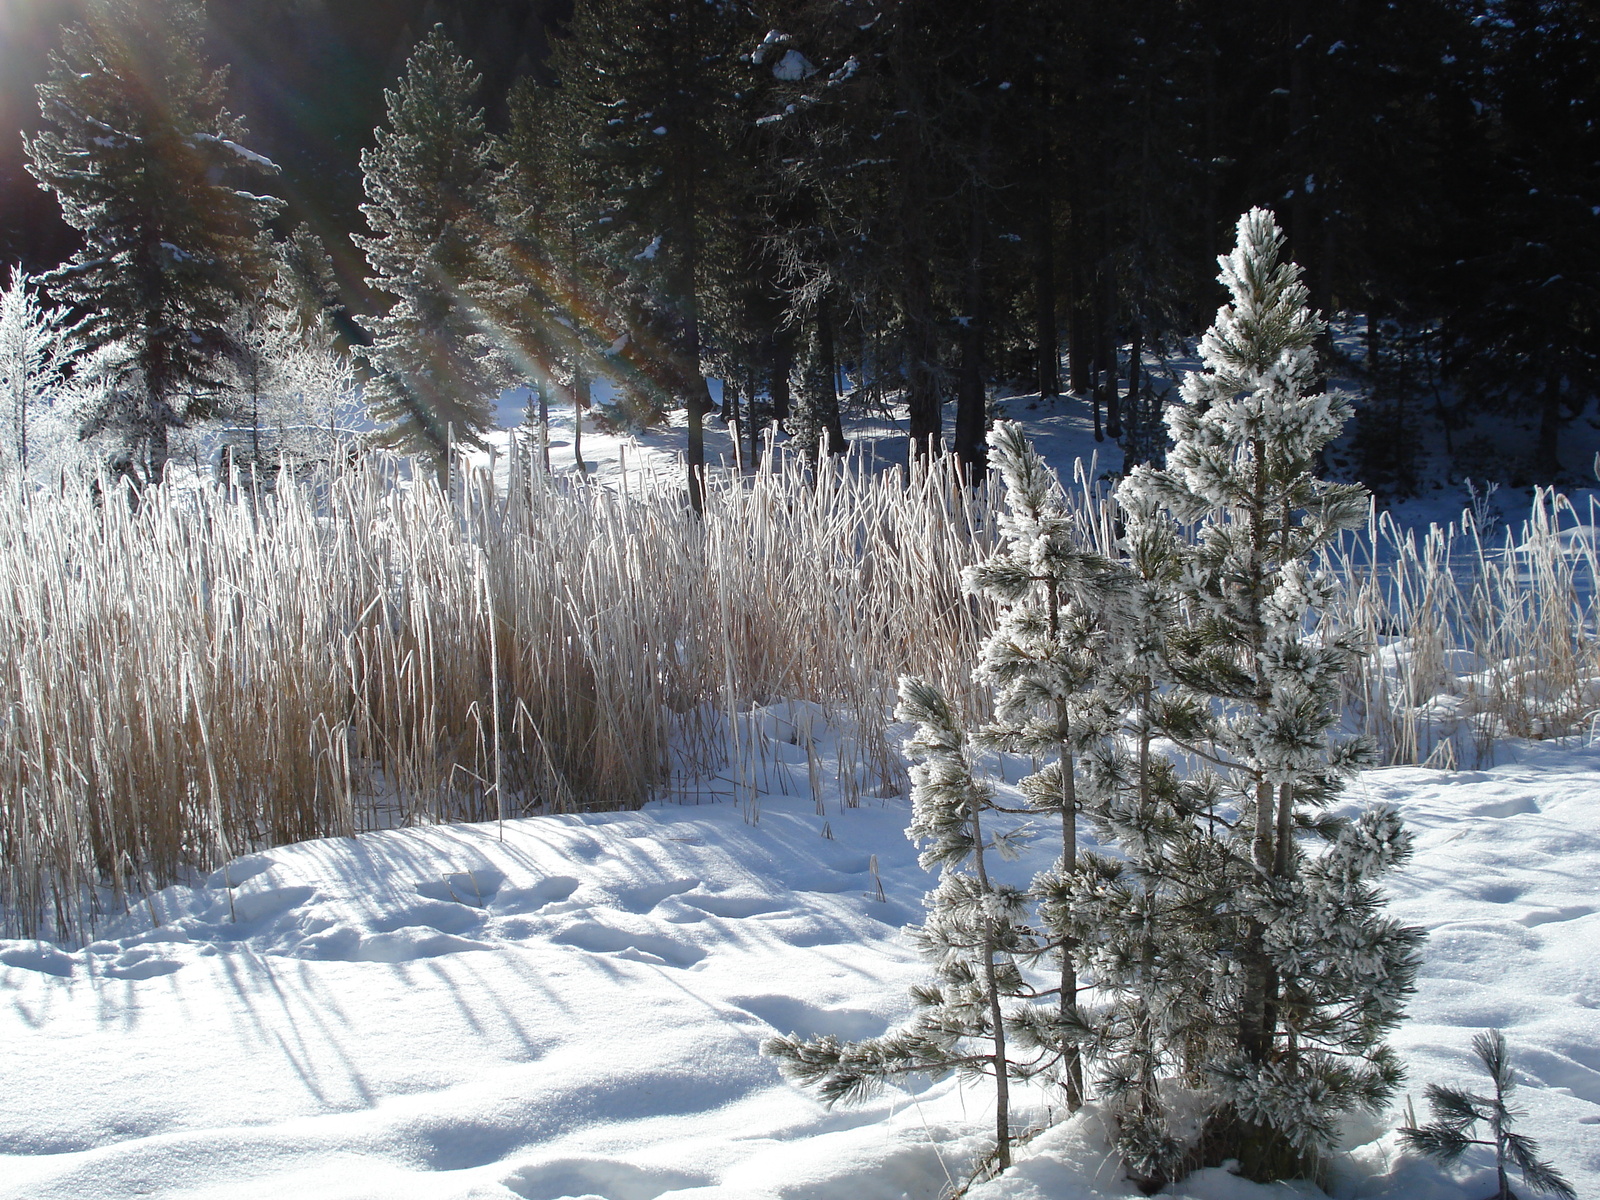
{"x": 144, "y": 158}
{"x": 435, "y": 368}
{"x": 976, "y": 936}
{"x": 1457, "y": 1114}
{"x": 1302, "y": 975}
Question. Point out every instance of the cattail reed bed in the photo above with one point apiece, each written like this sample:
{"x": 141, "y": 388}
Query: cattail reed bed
{"x": 217, "y": 672}
{"x": 1476, "y": 638}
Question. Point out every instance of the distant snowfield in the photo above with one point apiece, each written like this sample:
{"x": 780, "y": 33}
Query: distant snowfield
{"x": 571, "y": 1007}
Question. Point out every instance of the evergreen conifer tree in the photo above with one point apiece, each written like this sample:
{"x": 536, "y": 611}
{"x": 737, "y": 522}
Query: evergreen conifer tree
{"x": 1127, "y": 914}
{"x": 1044, "y": 662}
{"x": 1305, "y": 974}
{"x": 651, "y": 87}
{"x": 140, "y": 158}
{"x": 1457, "y": 1114}
{"x": 435, "y": 370}
{"x": 36, "y": 350}
{"x": 976, "y": 934}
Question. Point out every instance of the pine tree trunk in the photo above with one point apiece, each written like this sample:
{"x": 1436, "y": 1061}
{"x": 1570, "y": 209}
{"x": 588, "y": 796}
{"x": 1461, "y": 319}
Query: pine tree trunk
{"x": 1135, "y": 365}
{"x": 1067, "y": 1004}
{"x": 154, "y": 408}
{"x": 1109, "y": 353}
{"x": 1080, "y": 332}
{"x": 1551, "y": 420}
{"x": 1255, "y": 1034}
{"x": 696, "y": 393}
{"x": 970, "y": 403}
{"x": 998, "y": 1060}
{"x": 915, "y": 287}
{"x": 697, "y": 400}
{"x": 755, "y": 430}
{"x": 731, "y": 414}
{"x": 580, "y": 402}
{"x": 544, "y": 426}
{"x": 1047, "y": 346}
{"x": 158, "y": 452}
{"x": 831, "y": 421}
{"x": 925, "y": 420}
{"x": 1078, "y": 353}
{"x": 782, "y": 363}
{"x": 1283, "y": 861}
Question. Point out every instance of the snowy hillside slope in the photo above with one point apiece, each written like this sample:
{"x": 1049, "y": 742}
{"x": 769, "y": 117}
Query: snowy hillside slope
{"x": 571, "y": 1007}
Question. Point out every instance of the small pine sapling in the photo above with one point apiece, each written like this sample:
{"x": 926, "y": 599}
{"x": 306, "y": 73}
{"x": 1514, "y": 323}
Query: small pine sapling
{"x": 975, "y": 933}
{"x": 1457, "y": 1113}
{"x": 1043, "y": 661}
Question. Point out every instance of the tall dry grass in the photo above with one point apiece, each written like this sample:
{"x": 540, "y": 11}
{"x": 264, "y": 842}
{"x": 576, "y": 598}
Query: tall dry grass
{"x": 1475, "y": 639}
{"x": 215, "y": 673}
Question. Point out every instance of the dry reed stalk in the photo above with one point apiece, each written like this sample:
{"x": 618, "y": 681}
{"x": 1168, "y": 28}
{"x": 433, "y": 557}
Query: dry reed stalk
{"x": 218, "y": 671}
{"x": 1474, "y": 642}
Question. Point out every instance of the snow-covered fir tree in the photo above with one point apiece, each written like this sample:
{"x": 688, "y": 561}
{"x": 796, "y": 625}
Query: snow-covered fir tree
{"x": 435, "y": 371}
{"x": 141, "y": 156}
{"x": 297, "y": 397}
{"x": 1303, "y": 974}
{"x": 976, "y": 934}
{"x": 37, "y": 346}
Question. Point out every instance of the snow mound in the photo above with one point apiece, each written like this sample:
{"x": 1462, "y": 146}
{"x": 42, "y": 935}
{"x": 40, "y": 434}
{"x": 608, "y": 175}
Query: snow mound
{"x": 572, "y": 1007}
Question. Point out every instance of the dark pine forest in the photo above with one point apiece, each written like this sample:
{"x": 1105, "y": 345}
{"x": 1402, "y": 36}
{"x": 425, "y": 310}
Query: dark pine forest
{"x": 940, "y": 195}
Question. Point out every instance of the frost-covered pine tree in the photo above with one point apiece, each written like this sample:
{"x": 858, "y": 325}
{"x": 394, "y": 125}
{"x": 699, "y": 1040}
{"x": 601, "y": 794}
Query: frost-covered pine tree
{"x": 1044, "y": 662}
{"x": 1305, "y": 973}
{"x": 145, "y": 160}
{"x": 36, "y": 350}
{"x": 435, "y": 373}
{"x": 975, "y": 934}
{"x": 1129, "y": 911}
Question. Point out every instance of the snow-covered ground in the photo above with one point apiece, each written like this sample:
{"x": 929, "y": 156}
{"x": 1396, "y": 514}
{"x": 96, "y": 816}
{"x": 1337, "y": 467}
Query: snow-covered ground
{"x": 1492, "y": 447}
{"x": 571, "y": 1007}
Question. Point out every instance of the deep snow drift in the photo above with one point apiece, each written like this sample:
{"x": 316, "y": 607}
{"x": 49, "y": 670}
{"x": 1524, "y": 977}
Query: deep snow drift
{"x": 572, "y": 1007}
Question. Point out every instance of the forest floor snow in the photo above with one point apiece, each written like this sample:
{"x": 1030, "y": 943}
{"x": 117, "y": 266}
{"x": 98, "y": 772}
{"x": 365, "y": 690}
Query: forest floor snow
{"x": 572, "y": 1007}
